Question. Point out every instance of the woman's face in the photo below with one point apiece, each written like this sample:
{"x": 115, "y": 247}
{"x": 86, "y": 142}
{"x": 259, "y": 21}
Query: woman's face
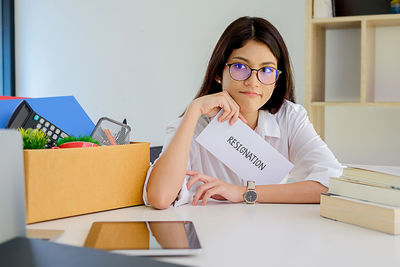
{"x": 250, "y": 94}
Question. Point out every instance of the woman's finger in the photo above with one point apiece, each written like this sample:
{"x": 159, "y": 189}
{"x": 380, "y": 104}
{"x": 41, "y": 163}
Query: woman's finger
{"x": 228, "y": 115}
{"x": 227, "y": 110}
{"x": 213, "y": 112}
{"x": 234, "y": 118}
{"x": 233, "y": 106}
{"x": 198, "y": 178}
{"x": 191, "y": 173}
{"x": 201, "y": 191}
{"x": 209, "y": 193}
{"x": 217, "y": 197}
{"x": 237, "y": 114}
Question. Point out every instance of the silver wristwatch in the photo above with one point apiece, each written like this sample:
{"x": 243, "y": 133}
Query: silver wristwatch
{"x": 250, "y": 197}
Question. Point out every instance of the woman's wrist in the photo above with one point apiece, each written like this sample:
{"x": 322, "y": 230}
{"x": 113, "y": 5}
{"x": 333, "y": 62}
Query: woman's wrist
{"x": 193, "y": 110}
{"x": 242, "y": 191}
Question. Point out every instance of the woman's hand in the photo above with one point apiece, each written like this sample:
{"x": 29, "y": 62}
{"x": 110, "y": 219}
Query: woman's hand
{"x": 210, "y": 105}
{"x": 214, "y": 188}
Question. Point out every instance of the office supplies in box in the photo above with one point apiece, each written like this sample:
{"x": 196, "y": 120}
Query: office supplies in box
{"x": 63, "y": 111}
{"x": 111, "y": 132}
{"x": 67, "y": 182}
{"x": 25, "y": 117}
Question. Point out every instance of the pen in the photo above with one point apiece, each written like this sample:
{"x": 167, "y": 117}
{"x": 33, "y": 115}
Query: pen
{"x": 121, "y": 135}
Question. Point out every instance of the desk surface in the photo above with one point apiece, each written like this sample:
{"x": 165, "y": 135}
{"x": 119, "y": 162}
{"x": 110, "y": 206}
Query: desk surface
{"x": 255, "y": 235}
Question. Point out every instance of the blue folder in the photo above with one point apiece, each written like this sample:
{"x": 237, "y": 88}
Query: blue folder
{"x": 63, "y": 111}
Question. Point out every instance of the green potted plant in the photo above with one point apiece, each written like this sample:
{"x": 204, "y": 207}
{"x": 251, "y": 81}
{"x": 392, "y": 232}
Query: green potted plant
{"x": 33, "y": 138}
{"x": 77, "y": 141}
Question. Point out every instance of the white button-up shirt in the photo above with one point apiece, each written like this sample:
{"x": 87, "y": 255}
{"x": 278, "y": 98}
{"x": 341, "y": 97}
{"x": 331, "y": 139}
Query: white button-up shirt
{"x": 289, "y": 131}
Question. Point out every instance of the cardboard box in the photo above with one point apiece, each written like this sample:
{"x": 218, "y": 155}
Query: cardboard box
{"x": 73, "y": 181}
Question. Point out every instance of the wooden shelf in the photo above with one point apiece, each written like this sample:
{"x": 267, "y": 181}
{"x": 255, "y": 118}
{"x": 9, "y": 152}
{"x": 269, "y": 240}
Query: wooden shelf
{"x": 351, "y": 21}
{"x": 357, "y": 21}
{"x": 355, "y": 104}
{"x": 315, "y": 63}
{"x": 337, "y": 23}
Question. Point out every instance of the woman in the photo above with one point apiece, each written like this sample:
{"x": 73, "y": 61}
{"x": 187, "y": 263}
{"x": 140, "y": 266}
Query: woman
{"x": 249, "y": 77}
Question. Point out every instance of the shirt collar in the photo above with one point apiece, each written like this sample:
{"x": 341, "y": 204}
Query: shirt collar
{"x": 267, "y": 124}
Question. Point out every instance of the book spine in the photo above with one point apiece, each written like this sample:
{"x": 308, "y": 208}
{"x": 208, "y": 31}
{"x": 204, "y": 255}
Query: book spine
{"x": 378, "y": 178}
{"x": 364, "y": 192}
{"x": 370, "y": 182}
{"x": 364, "y": 215}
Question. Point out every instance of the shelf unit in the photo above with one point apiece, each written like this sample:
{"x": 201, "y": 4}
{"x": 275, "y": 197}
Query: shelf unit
{"x": 316, "y": 28}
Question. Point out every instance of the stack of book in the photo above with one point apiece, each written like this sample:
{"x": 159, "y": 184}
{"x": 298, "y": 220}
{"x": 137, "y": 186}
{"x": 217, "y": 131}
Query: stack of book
{"x": 365, "y": 197}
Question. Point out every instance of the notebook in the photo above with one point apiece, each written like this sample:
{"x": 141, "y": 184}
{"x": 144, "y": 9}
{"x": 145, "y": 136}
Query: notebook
{"x": 63, "y": 111}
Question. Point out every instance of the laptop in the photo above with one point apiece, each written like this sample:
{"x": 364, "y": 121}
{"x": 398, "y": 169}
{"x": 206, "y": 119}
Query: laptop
{"x": 15, "y": 248}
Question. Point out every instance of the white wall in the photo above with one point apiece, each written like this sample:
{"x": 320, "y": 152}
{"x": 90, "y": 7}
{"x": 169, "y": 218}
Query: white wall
{"x": 143, "y": 60}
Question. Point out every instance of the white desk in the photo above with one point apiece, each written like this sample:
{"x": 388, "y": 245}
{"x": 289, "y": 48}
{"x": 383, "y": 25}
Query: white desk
{"x": 256, "y": 235}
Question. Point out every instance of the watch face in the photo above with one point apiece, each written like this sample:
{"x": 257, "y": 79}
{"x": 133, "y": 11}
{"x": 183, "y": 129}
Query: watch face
{"x": 251, "y": 196}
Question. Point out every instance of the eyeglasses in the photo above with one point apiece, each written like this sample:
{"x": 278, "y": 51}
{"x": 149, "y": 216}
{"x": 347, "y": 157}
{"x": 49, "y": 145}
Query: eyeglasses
{"x": 241, "y": 72}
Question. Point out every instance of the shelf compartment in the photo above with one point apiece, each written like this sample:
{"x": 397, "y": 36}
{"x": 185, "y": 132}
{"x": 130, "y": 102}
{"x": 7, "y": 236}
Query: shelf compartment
{"x": 355, "y": 21}
{"x": 385, "y": 68}
{"x": 342, "y": 65}
{"x": 363, "y": 134}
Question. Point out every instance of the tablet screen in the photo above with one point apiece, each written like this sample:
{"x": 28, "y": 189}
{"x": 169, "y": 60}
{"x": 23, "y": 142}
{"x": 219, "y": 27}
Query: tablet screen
{"x": 155, "y": 236}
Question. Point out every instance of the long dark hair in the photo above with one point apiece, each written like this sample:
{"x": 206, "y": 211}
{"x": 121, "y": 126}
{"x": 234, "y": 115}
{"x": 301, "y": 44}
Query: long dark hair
{"x": 234, "y": 37}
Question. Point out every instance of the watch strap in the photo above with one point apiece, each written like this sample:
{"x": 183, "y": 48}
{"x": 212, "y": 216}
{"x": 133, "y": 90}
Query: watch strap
{"x": 251, "y": 185}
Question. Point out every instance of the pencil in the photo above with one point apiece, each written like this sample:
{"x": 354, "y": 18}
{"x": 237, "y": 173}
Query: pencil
{"x": 110, "y": 137}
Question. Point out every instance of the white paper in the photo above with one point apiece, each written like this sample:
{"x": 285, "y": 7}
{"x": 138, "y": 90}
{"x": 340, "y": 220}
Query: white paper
{"x": 244, "y": 152}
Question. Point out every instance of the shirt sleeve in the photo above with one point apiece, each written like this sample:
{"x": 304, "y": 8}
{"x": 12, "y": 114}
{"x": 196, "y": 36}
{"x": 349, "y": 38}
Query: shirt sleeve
{"x": 184, "y": 195}
{"x": 312, "y": 158}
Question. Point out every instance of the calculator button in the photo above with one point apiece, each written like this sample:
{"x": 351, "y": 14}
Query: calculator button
{"x": 41, "y": 121}
{"x": 57, "y": 131}
{"x": 47, "y": 124}
{"x": 63, "y": 135}
{"x": 52, "y": 127}
{"x": 55, "y": 136}
{"x": 36, "y": 117}
{"x": 38, "y": 126}
{"x": 44, "y": 129}
{"x": 49, "y": 133}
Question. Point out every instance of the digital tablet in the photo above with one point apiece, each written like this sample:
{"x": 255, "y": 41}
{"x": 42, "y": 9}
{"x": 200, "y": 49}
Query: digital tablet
{"x": 145, "y": 238}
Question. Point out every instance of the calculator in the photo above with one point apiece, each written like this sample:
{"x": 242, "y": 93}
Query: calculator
{"x": 25, "y": 117}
